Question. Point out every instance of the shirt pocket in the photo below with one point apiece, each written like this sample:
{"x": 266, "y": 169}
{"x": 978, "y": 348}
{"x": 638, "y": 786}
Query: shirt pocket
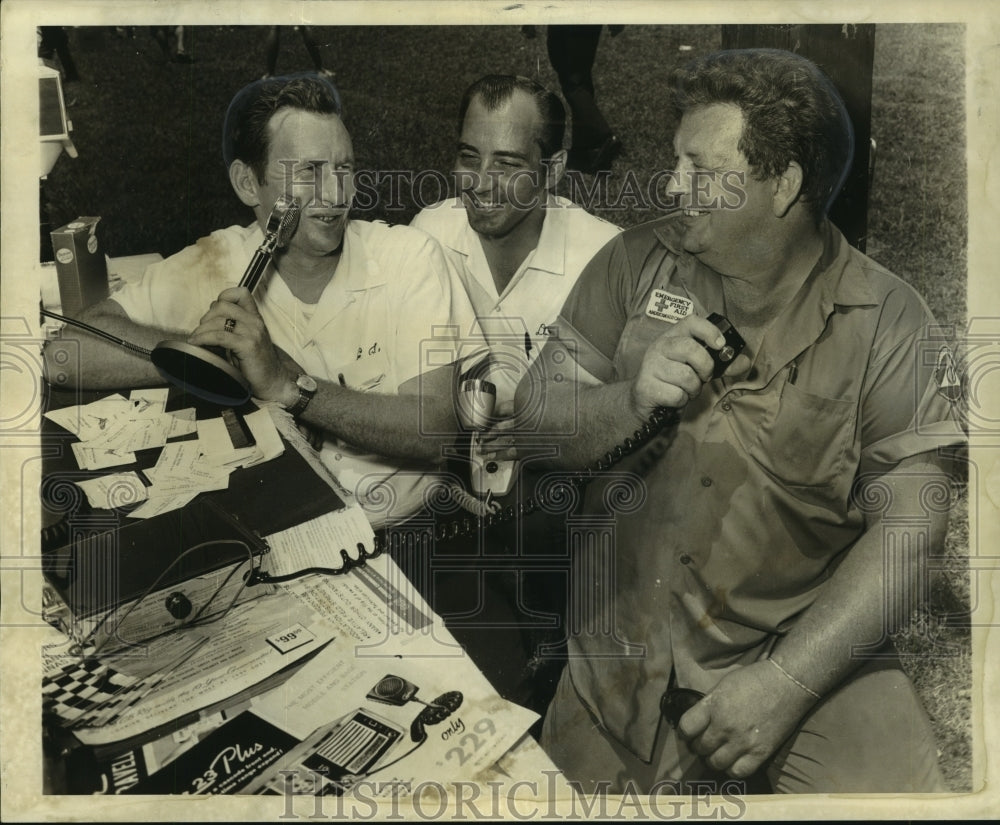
{"x": 806, "y": 441}
{"x": 370, "y": 373}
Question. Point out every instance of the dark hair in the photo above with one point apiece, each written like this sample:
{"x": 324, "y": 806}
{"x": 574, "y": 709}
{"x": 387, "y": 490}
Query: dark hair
{"x": 496, "y": 89}
{"x": 791, "y": 112}
{"x": 244, "y": 132}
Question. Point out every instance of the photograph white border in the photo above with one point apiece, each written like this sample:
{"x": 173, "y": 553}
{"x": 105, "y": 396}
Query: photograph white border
{"x": 20, "y": 742}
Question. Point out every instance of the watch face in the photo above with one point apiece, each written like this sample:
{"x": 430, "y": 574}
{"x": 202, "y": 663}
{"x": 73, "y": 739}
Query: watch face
{"x": 306, "y": 383}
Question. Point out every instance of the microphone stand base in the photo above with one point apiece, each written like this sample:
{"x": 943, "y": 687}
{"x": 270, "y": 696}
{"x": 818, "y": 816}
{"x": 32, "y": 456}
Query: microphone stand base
{"x": 201, "y": 372}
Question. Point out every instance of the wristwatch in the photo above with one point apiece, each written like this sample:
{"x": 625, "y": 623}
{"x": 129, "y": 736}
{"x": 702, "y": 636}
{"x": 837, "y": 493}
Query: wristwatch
{"x": 307, "y": 387}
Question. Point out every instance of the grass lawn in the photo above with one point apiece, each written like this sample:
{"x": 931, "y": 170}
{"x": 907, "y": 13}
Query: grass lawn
{"x": 148, "y": 134}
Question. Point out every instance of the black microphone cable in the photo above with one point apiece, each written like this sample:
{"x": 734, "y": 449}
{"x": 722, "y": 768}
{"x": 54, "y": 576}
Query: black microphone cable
{"x": 100, "y": 333}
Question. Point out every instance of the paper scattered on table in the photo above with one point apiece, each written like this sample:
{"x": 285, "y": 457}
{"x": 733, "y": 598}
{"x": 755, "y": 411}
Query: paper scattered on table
{"x": 182, "y": 422}
{"x": 113, "y": 428}
{"x": 117, "y": 490}
{"x": 92, "y": 692}
{"x": 376, "y": 607}
{"x": 331, "y": 702}
{"x": 213, "y": 437}
{"x": 89, "y": 421}
{"x": 149, "y": 402}
{"x": 217, "y": 446}
{"x": 181, "y": 472}
{"x": 186, "y": 468}
{"x": 335, "y": 687}
{"x": 319, "y": 542}
{"x": 99, "y": 458}
{"x": 268, "y": 440}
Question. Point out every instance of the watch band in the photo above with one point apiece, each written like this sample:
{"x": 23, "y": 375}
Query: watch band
{"x": 306, "y": 386}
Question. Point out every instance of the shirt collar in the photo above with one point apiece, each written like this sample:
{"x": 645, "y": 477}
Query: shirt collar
{"x": 835, "y": 280}
{"x": 844, "y": 284}
{"x": 350, "y": 276}
{"x": 550, "y": 252}
{"x": 357, "y": 271}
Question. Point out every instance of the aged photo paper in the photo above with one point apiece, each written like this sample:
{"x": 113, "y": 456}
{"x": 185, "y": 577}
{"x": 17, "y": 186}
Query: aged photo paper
{"x": 973, "y": 32}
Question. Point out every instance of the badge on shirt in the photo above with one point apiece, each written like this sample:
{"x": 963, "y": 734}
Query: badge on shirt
{"x": 668, "y": 307}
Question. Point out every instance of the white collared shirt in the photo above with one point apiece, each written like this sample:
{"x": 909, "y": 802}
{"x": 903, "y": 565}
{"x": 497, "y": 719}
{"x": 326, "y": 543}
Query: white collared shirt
{"x": 518, "y": 321}
{"x": 388, "y": 305}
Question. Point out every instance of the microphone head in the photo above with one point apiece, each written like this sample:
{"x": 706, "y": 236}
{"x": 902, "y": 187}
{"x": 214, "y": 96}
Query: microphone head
{"x": 290, "y": 212}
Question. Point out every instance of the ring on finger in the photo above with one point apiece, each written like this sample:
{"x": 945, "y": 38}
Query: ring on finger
{"x": 230, "y": 324}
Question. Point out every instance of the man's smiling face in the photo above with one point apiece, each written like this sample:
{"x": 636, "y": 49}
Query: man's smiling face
{"x": 310, "y": 157}
{"x": 708, "y": 155}
{"x": 499, "y": 168}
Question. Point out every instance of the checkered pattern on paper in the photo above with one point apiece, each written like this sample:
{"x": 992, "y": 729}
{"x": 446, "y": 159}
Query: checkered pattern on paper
{"x": 89, "y": 693}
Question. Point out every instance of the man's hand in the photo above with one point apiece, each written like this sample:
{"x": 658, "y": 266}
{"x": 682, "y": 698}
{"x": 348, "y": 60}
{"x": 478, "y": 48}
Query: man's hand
{"x": 676, "y": 366}
{"x": 499, "y": 443}
{"x": 250, "y": 344}
{"x": 745, "y": 719}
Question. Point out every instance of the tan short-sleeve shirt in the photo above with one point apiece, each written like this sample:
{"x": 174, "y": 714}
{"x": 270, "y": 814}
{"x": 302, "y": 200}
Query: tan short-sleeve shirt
{"x": 747, "y": 505}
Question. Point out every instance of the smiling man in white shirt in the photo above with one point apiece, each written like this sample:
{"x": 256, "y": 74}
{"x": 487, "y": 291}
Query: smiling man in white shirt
{"x": 514, "y": 245}
{"x": 516, "y": 249}
{"x": 333, "y": 331}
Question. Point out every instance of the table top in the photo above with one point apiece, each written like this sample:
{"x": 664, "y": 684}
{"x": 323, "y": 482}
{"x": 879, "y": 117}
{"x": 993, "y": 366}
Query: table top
{"x": 267, "y": 498}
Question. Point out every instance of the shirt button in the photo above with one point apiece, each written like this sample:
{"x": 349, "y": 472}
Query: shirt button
{"x": 706, "y": 481}
{"x": 726, "y": 406}
{"x": 685, "y": 558}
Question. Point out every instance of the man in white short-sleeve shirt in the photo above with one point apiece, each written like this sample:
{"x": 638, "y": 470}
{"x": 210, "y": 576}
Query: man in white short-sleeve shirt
{"x": 351, "y": 303}
{"x": 516, "y": 249}
{"x": 514, "y": 246}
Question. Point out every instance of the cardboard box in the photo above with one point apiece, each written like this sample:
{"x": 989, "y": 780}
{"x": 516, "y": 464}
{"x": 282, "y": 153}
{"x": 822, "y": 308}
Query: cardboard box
{"x": 81, "y": 267}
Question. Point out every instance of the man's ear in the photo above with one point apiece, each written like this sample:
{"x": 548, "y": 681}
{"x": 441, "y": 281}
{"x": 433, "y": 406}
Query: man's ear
{"x": 244, "y": 183}
{"x": 787, "y": 188}
{"x": 555, "y": 168}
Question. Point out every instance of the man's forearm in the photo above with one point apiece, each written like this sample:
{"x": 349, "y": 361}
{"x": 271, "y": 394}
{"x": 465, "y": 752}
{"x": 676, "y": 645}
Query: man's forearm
{"x": 753, "y": 709}
{"x": 858, "y": 603}
{"x": 79, "y": 358}
{"x": 413, "y": 426}
{"x": 598, "y": 415}
{"x": 587, "y": 421}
